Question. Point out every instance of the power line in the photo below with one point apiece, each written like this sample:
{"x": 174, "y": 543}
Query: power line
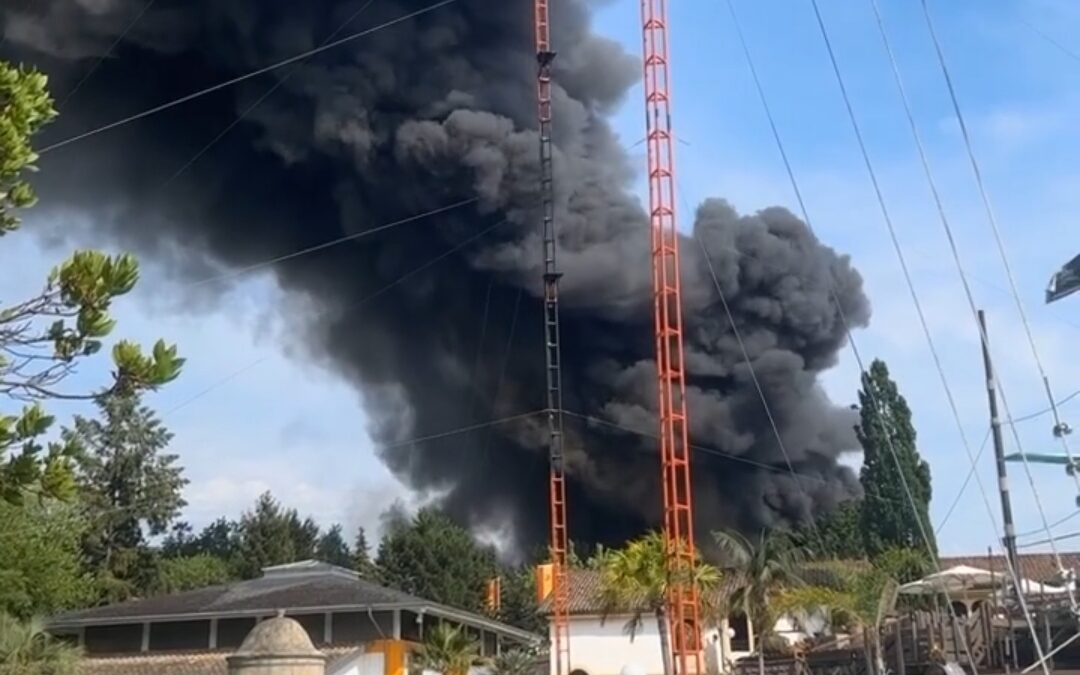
{"x": 333, "y": 242}
{"x": 108, "y": 52}
{"x": 977, "y": 172}
{"x": 244, "y": 113}
{"x": 1044, "y": 411}
{"x": 411, "y": 273}
{"x": 459, "y": 430}
{"x": 1050, "y": 540}
{"x": 236, "y": 80}
{"x": 835, "y": 298}
{"x": 932, "y": 184}
{"x": 1044, "y": 35}
{"x": 963, "y": 487}
{"x": 1052, "y": 525}
{"x": 724, "y": 455}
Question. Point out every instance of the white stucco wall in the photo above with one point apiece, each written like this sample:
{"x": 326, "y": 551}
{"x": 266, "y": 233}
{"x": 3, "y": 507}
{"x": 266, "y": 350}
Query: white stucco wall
{"x": 600, "y": 647}
{"x": 603, "y": 647}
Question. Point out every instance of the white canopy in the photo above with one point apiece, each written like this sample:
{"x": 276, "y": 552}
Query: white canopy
{"x": 962, "y": 578}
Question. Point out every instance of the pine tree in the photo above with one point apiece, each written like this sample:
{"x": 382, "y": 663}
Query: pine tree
{"x": 436, "y": 559}
{"x": 131, "y": 487}
{"x": 362, "y": 562}
{"x": 333, "y": 549}
{"x": 885, "y": 427}
{"x": 266, "y": 537}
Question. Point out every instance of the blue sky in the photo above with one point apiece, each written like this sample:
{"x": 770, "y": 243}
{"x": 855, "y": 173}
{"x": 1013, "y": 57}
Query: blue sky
{"x": 238, "y": 435}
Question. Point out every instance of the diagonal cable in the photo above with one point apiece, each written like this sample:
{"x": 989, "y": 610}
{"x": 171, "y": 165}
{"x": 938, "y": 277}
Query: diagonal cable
{"x": 247, "y": 76}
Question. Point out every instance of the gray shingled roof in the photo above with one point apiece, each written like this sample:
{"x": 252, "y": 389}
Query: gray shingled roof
{"x": 295, "y": 588}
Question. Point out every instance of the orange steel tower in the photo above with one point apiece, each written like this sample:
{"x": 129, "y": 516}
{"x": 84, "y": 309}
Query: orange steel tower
{"x": 674, "y": 440}
{"x": 560, "y": 591}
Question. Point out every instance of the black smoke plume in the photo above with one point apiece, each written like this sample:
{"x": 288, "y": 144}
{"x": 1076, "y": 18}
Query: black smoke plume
{"x": 435, "y": 110}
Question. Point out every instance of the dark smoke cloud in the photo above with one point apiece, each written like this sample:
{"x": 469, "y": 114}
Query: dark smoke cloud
{"x": 432, "y": 111}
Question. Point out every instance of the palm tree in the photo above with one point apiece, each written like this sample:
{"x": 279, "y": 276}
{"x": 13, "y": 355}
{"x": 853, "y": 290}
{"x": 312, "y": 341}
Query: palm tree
{"x": 763, "y": 568}
{"x": 26, "y": 649}
{"x": 861, "y": 598}
{"x": 516, "y": 662}
{"x": 636, "y": 579}
{"x": 448, "y": 650}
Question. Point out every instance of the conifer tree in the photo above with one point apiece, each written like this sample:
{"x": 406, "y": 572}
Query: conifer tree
{"x": 333, "y": 549}
{"x": 888, "y": 519}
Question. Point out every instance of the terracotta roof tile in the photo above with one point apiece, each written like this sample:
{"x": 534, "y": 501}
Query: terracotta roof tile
{"x": 179, "y": 663}
{"x": 585, "y": 589}
{"x": 1039, "y": 567}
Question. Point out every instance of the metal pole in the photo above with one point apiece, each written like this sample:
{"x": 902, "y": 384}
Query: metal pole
{"x": 999, "y": 454}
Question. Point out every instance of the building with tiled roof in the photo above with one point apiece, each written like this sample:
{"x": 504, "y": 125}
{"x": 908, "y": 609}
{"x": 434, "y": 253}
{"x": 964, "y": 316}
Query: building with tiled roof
{"x": 192, "y": 633}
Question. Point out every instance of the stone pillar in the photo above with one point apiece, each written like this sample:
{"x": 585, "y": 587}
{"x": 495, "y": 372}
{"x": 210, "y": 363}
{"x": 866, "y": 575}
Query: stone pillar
{"x": 279, "y": 646}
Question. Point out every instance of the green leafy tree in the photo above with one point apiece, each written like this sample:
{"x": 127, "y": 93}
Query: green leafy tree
{"x": 41, "y": 563}
{"x": 132, "y": 489}
{"x": 763, "y": 568}
{"x": 333, "y": 549}
{"x": 838, "y": 535}
{"x": 268, "y": 535}
{"x": 304, "y": 534}
{"x": 636, "y": 580}
{"x": 43, "y": 338}
{"x": 856, "y": 598}
{"x": 904, "y": 564}
{"x": 190, "y": 572}
{"x": 265, "y": 537}
{"x": 888, "y": 519}
{"x": 26, "y": 649}
{"x": 519, "y": 607}
{"x": 436, "y": 559}
{"x": 27, "y": 107}
{"x": 362, "y": 563}
{"x": 518, "y": 661}
{"x": 447, "y": 649}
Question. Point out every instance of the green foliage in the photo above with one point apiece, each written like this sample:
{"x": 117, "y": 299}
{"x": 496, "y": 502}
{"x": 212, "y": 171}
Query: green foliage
{"x": 362, "y": 562}
{"x": 446, "y": 649}
{"x": 885, "y": 425}
{"x": 636, "y": 579}
{"x": 333, "y": 549}
{"x": 272, "y": 535}
{"x": 25, "y": 107}
{"x": 517, "y": 662}
{"x": 47, "y": 468}
{"x": 131, "y": 487}
{"x": 41, "y": 570}
{"x": 26, "y": 649}
{"x": 519, "y": 607}
{"x": 904, "y": 564}
{"x": 839, "y": 534}
{"x": 42, "y": 339}
{"x": 432, "y": 557}
{"x": 191, "y": 572}
{"x": 764, "y": 568}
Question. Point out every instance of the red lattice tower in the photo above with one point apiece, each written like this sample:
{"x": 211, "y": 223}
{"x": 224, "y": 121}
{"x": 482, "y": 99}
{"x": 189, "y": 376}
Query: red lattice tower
{"x": 560, "y": 592}
{"x": 683, "y": 611}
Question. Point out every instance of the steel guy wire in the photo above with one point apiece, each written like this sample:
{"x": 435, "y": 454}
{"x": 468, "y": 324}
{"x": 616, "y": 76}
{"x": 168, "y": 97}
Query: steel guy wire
{"x": 247, "y": 76}
{"x": 992, "y": 220}
{"x": 932, "y": 184}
